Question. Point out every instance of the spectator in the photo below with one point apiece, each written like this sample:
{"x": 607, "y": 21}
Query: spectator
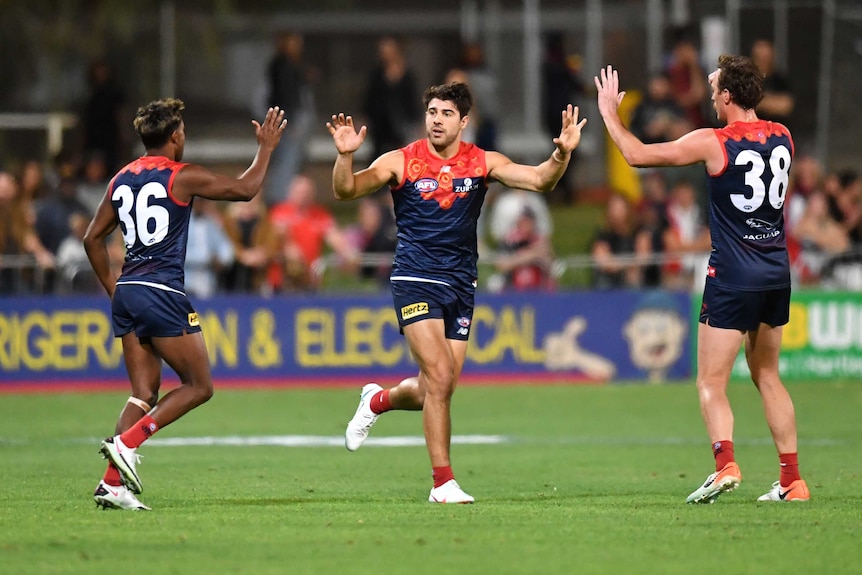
{"x": 391, "y": 99}
{"x": 507, "y": 209}
{"x": 687, "y": 234}
{"x": 94, "y": 180}
{"x": 304, "y": 227}
{"x": 618, "y": 247}
{"x": 103, "y": 116}
{"x": 525, "y": 258}
{"x": 486, "y": 103}
{"x": 289, "y": 84}
{"x": 845, "y": 193}
{"x": 52, "y": 216}
{"x": 374, "y": 233}
{"x": 805, "y": 179}
{"x": 34, "y": 185}
{"x": 209, "y": 250}
{"x": 819, "y": 236}
{"x": 17, "y": 237}
{"x": 686, "y": 76}
{"x": 658, "y": 117}
{"x": 653, "y": 218}
{"x": 561, "y": 85}
{"x": 255, "y": 246}
{"x": 778, "y": 101}
{"x": 74, "y": 267}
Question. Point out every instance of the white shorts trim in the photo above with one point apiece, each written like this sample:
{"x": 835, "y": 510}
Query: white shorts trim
{"x": 415, "y": 279}
{"x": 150, "y": 284}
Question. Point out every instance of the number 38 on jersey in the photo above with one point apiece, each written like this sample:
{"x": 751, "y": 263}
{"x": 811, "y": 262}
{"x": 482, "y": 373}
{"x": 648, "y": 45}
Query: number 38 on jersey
{"x": 779, "y": 168}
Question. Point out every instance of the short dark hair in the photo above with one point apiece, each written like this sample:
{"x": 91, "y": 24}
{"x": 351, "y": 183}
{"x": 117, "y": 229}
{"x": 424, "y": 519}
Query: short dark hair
{"x": 741, "y": 77}
{"x": 456, "y": 92}
{"x": 156, "y": 121}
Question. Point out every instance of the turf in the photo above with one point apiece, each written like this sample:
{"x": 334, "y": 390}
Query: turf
{"x": 590, "y": 480}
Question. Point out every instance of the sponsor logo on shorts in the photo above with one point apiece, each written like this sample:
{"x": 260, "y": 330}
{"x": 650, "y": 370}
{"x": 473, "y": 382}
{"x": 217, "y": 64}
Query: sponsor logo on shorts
{"x": 194, "y": 320}
{"x": 426, "y": 185}
{"x": 710, "y": 271}
{"x": 463, "y": 331}
{"x": 464, "y": 321}
{"x": 414, "y": 309}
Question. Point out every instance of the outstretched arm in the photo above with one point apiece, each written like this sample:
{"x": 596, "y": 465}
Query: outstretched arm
{"x": 347, "y": 185}
{"x": 198, "y": 181}
{"x": 544, "y": 177}
{"x": 698, "y": 146}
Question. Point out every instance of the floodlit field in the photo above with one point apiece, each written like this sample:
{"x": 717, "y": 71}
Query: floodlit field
{"x": 567, "y": 479}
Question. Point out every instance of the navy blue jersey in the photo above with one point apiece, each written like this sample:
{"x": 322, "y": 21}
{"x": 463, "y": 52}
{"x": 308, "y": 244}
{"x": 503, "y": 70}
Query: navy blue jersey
{"x": 154, "y": 223}
{"x": 437, "y": 206}
{"x": 746, "y": 207}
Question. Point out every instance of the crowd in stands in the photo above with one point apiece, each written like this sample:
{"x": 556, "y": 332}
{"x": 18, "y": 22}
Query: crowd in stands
{"x": 285, "y": 240}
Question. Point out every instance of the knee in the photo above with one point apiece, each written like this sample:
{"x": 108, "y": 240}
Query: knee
{"x": 205, "y": 392}
{"x": 441, "y": 382}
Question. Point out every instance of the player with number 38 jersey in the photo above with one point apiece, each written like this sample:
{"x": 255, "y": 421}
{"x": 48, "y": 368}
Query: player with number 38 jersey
{"x": 154, "y": 223}
{"x": 746, "y": 207}
{"x": 746, "y": 298}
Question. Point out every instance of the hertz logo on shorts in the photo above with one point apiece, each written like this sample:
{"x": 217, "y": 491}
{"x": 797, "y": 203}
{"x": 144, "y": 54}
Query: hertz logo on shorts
{"x": 193, "y": 319}
{"x": 414, "y": 309}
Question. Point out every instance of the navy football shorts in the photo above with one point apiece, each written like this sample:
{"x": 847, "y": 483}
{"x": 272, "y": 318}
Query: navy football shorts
{"x": 152, "y": 312}
{"x": 731, "y": 308}
{"x": 416, "y": 301}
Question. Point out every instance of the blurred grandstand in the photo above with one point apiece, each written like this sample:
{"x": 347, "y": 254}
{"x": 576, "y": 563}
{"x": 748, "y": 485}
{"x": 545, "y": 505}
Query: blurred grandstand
{"x": 215, "y": 59}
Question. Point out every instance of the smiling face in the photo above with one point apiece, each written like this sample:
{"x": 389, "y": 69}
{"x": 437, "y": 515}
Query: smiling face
{"x": 443, "y": 123}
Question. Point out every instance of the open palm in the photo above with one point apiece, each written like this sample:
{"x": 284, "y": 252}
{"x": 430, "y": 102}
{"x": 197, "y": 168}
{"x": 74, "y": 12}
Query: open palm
{"x": 347, "y": 140}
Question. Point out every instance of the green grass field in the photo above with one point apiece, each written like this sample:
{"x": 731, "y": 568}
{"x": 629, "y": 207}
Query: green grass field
{"x": 582, "y": 479}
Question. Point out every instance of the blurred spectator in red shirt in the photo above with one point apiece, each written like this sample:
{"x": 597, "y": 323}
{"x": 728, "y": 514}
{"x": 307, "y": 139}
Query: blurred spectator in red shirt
{"x": 687, "y": 79}
{"x": 525, "y": 257}
{"x": 305, "y": 227}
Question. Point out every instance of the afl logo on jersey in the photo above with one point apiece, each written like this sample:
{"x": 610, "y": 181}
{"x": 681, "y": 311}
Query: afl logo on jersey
{"x": 426, "y": 185}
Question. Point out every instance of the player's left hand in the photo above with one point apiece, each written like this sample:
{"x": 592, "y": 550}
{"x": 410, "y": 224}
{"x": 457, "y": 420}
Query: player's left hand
{"x": 570, "y": 135}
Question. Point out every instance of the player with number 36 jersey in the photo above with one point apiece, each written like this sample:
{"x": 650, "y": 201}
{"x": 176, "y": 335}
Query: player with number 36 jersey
{"x": 150, "y": 200}
{"x": 746, "y": 298}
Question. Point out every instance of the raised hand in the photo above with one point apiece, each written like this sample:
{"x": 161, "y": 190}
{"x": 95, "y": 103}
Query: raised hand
{"x": 570, "y": 134}
{"x": 608, "y": 87}
{"x": 269, "y": 133}
{"x": 347, "y": 140}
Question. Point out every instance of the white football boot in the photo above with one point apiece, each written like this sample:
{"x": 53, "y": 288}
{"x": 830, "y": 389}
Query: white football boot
{"x": 125, "y": 460}
{"x": 449, "y": 492}
{"x": 111, "y": 497}
{"x": 363, "y": 419}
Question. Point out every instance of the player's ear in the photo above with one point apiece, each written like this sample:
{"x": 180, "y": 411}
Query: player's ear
{"x": 464, "y": 121}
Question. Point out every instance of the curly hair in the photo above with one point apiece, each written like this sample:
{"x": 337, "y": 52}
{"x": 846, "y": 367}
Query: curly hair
{"x": 456, "y": 92}
{"x": 156, "y": 121}
{"x": 741, "y": 77}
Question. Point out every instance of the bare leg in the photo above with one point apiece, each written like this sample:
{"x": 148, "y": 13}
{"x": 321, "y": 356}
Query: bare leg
{"x": 440, "y": 362}
{"x": 187, "y": 356}
{"x": 716, "y": 351}
{"x": 761, "y": 351}
{"x": 408, "y": 395}
{"x": 145, "y": 371}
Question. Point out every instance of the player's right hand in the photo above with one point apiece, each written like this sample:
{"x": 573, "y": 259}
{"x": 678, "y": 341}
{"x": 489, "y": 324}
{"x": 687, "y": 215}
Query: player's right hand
{"x": 269, "y": 133}
{"x": 347, "y": 140}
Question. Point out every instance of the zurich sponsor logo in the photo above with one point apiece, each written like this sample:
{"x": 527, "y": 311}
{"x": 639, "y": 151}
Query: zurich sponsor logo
{"x": 464, "y": 321}
{"x": 464, "y": 185}
{"x": 427, "y": 185}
